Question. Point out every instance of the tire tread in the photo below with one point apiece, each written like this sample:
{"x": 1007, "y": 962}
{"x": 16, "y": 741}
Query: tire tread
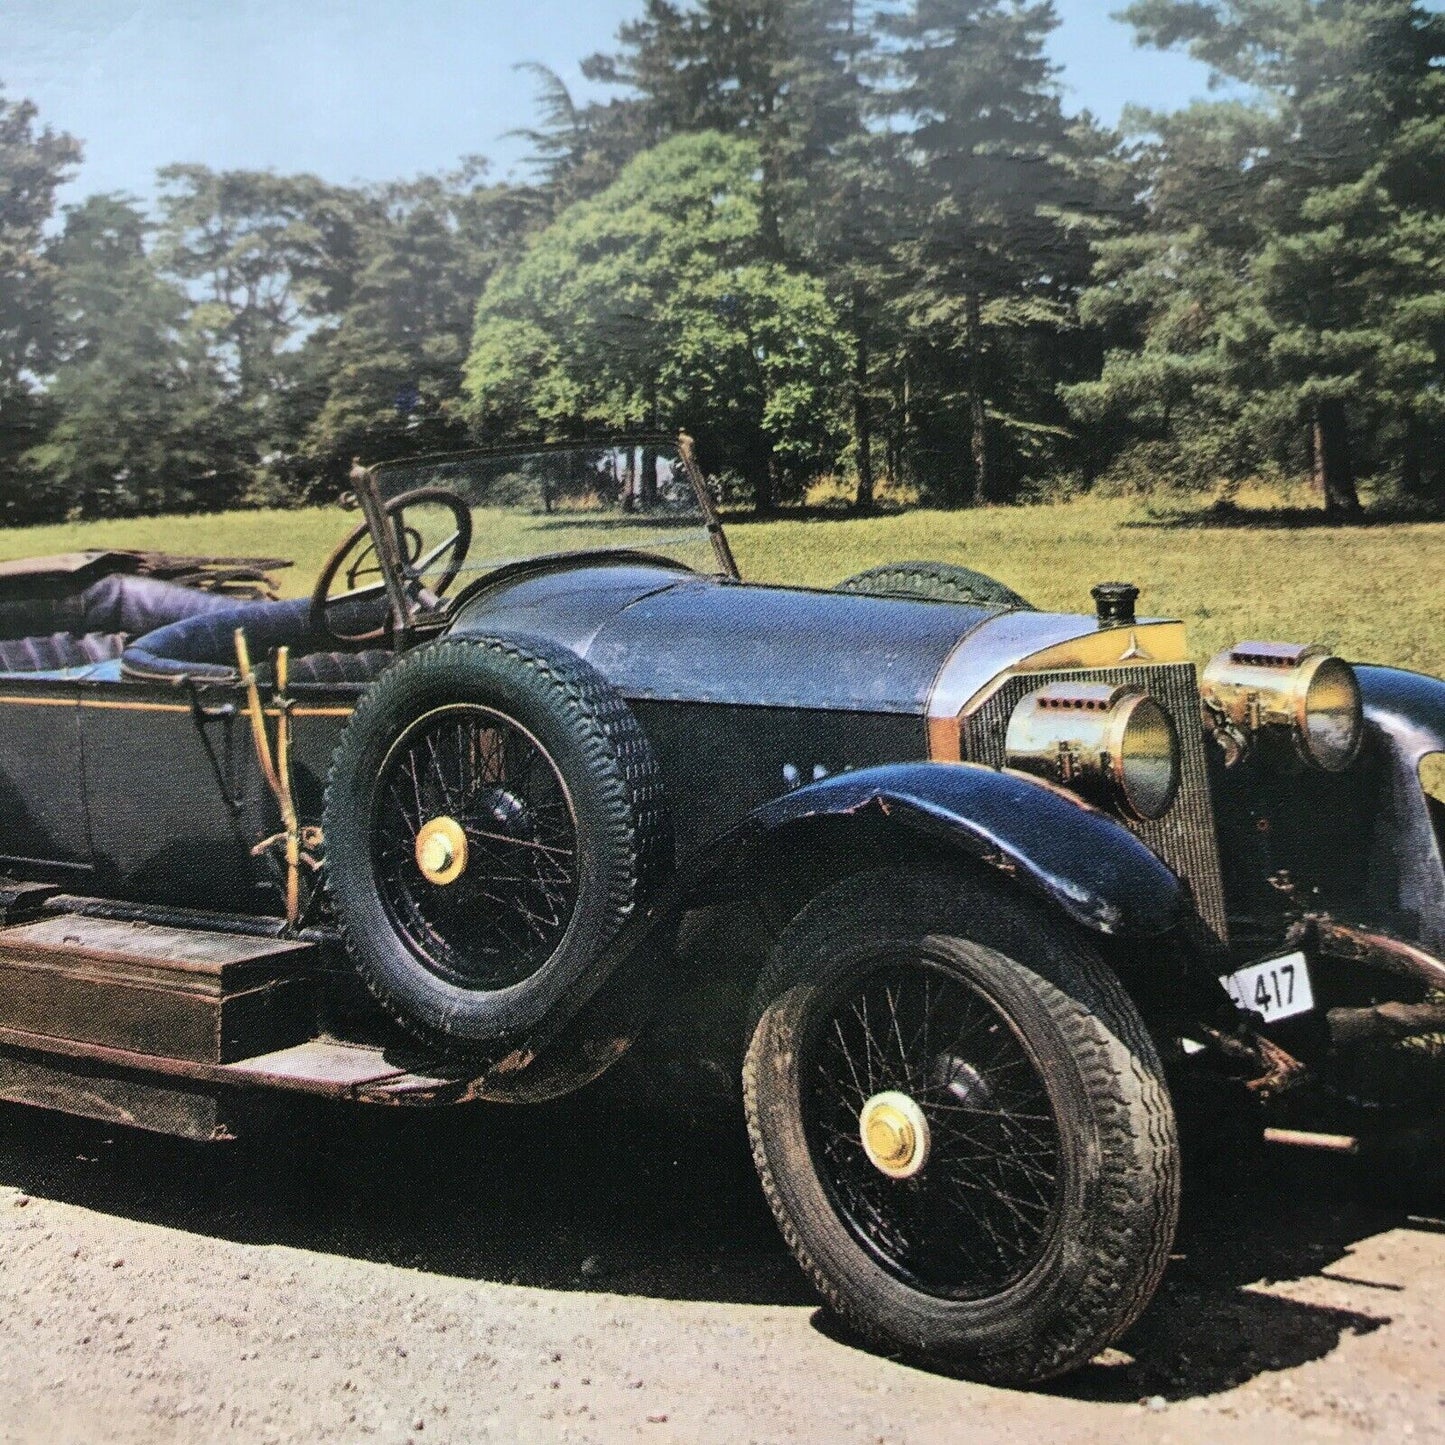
{"x": 1121, "y": 1073}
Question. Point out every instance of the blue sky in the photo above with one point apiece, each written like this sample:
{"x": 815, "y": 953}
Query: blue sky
{"x": 371, "y": 89}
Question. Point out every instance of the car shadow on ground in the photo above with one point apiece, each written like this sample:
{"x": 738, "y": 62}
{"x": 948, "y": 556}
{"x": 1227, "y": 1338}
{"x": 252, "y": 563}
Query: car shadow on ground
{"x": 590, "y": 1196}
{"x": 1211, "y": 1327}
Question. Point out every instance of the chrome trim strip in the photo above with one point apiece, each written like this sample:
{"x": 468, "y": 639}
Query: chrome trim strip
{"x": 994, "y": 647}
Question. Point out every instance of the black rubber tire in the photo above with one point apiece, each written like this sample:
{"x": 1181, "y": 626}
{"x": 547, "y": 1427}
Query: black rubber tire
{"x": 934, "y": 582}
{"x": 1118, "y": 1199}
{"x": 623, "y": 837}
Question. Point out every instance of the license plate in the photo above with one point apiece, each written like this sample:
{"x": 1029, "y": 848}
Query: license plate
{"x": 1278, "y": 989}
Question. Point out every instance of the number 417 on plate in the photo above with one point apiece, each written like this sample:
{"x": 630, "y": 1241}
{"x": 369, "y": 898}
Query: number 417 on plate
{"x": 1278, "y": 989}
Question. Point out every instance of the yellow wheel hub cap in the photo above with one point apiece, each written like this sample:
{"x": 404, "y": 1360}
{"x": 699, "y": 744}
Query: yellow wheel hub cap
{"x": 441, "y": 851}
{"x": 895, "y": 1134}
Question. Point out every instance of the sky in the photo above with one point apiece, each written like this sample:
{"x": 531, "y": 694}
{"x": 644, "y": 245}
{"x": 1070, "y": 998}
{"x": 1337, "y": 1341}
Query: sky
{"x": 365, "y": 90}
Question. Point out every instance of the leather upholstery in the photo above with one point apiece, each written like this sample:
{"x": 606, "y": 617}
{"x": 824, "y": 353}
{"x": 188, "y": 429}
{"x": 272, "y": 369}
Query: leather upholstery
{"x": 179, "y": 633}
{"x": 132, "y": 605}
{"x": 54, "y": 633}
{"x": 58, "y": 651}
{"x": 203, "y": 647}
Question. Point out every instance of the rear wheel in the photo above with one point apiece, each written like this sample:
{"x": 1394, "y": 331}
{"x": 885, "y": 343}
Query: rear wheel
{"x": 961, "y": 1124}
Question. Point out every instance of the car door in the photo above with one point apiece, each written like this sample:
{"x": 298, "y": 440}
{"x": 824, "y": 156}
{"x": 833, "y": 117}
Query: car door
{"x": 172, "y": 796}
{"x": 44, "y": 831}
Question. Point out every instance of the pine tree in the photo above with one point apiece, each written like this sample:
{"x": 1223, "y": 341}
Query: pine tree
{"x": 995, "y": 183}
{"x": 393, "y": 369}
{"x": 1289, "y": 280}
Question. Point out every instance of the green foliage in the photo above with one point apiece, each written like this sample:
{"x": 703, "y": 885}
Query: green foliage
{"x": 34, "y": 163}
{"x": 1285, "y": 292}
{"x": 140, "y": 408}
{"x": 656, "y": 304}
{"x": 271, "y": 263}
{"x": 998, "y": 197}
{"x": 853, "y": 239}
{"x": 392, "y": 370}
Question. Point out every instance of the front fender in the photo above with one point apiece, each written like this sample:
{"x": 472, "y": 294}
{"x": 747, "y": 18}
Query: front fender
{"x": 1409, "y": 706}
{"x": 1092, "y": 867}
{"x": 1405, "y": 712}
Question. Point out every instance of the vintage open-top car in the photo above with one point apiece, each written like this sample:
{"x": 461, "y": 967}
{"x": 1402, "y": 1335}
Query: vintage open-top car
{"x": 441, "y": 832}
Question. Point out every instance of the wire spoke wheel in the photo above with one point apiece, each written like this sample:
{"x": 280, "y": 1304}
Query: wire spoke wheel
{"x": 961, "y": 1124}
{"x": 475, "y": 846}
{"x": 976, "y": 1213}
{"x": 493, "y": 818}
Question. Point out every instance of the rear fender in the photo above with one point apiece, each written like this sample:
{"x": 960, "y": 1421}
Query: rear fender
{"x": 1043, "y": 838}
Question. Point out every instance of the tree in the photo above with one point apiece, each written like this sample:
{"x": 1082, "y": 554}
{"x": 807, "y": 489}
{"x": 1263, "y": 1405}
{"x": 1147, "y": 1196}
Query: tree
{"x": 577, "y": 150}
{"x": 137, "y": 400}
{"x": 34, "y": 163}
{"x": 838, "y": 203}
{"x": 271, "y": 261}
{"x": 1288, "y": 277}
{"x": 996, "y": 182}
{"x": 717, "y": 66}
{"x": 394, "y": 366}
{"x": 658, "y": 303}
{"x": 788, "y": 75}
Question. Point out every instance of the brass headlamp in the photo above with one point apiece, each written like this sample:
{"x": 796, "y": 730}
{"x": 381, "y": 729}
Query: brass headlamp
{"x": 1300, "y": 701}
{"x": 1114, "y": 745}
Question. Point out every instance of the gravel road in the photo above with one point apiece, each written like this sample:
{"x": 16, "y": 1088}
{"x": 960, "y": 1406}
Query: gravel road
{"x": 574, "y": 1274}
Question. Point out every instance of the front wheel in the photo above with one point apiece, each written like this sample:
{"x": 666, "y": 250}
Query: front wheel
{"x": 962, "y": 1127}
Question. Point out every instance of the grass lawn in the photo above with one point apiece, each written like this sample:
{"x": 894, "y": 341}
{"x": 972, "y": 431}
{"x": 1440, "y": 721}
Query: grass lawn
{"x": 1375, "y": 592}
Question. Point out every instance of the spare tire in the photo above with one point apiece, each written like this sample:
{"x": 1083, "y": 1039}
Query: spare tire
{"x": 934, "y": 582}
{"x": 494, "y": 814}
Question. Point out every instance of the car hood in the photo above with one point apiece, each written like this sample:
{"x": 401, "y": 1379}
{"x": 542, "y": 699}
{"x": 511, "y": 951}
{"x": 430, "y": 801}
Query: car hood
{"x": 659, "y": 634}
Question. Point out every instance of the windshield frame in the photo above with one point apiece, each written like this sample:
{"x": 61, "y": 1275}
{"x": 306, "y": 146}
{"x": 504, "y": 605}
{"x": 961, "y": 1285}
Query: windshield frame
{"x": 366, "y": 484}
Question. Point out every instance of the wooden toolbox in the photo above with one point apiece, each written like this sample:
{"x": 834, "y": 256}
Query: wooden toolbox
{"x": 210, "y": 998}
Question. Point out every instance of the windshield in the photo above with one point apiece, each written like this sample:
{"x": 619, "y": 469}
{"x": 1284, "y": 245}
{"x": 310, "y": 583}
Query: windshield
{"x": 523, "y": 505}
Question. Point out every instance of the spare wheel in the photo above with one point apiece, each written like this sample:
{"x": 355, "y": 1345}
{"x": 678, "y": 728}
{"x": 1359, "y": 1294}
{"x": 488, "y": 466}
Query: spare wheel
{"x": 934, "y": 582}
{"x": 493, "y": 816}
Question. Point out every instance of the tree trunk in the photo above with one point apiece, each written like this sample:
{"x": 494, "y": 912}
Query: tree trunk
{"x": 648, "y": 489}
{"x": 1412, "y": 468}
{"x": 978, "y": 414}
{"x": 766, "y": 486}
{"x": 1334, "y": 470}
{"x": 862, "y": 417}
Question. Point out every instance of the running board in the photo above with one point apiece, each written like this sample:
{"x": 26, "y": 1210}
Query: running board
{"x": 203, "y": 1101}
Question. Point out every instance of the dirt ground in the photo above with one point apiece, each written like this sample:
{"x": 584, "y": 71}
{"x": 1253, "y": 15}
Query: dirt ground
{"x": 577, "y": 1274}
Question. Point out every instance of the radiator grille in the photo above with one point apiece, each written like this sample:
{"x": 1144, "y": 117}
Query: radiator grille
{"x": 1185, "y": 837}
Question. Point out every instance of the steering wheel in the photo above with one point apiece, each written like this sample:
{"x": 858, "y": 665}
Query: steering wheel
{"x": 444, "y": 561}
